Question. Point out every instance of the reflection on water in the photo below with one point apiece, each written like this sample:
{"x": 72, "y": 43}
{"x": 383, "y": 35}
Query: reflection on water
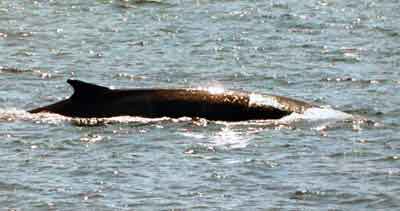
{"x": 226, "y": 137}
{"x": 230, "y": 139}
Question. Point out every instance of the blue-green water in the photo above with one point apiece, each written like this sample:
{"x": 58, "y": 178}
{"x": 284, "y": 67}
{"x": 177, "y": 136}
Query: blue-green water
{"x": 340, "y": 53}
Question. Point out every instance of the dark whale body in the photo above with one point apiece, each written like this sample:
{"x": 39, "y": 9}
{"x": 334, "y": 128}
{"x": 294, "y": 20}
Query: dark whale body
{"x": 90, "y": 100}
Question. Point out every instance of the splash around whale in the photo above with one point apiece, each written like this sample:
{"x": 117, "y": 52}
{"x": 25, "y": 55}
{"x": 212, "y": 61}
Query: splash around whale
{"x": 94, "y": 101}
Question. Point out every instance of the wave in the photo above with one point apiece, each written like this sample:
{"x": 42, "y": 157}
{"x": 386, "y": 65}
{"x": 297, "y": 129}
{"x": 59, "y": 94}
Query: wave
{"x": 14, "y": 114}
{"x": 311, "y": 114}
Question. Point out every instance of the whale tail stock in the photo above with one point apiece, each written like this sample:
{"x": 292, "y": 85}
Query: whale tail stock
{"x": 83, "y": 92}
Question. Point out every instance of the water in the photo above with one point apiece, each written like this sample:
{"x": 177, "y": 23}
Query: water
{"x": 339, "y": 53}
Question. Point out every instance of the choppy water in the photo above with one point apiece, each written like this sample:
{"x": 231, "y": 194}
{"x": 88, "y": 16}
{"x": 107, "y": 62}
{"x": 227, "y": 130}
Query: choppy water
{"x": 340, "y": 53}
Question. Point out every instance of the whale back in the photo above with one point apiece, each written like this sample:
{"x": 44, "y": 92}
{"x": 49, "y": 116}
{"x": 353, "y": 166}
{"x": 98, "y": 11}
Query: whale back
{"x": 91, "y": 100}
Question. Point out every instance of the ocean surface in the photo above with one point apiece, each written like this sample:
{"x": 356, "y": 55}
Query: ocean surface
{"x": 344, "y": 55}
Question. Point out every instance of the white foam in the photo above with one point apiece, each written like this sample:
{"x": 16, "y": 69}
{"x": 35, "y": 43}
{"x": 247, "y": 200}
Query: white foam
{"x": 13, "y": 114}
{"x": 317, "y": 114}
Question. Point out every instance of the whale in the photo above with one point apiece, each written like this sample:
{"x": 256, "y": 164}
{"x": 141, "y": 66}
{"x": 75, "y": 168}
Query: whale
{"x": 94, "y": 101}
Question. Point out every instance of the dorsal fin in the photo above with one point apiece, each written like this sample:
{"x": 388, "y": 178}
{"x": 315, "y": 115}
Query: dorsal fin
{"x": 84, "y": 90}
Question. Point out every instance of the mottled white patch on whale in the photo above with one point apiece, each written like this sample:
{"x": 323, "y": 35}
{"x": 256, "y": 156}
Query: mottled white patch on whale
{"x": 258, "y": 99}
